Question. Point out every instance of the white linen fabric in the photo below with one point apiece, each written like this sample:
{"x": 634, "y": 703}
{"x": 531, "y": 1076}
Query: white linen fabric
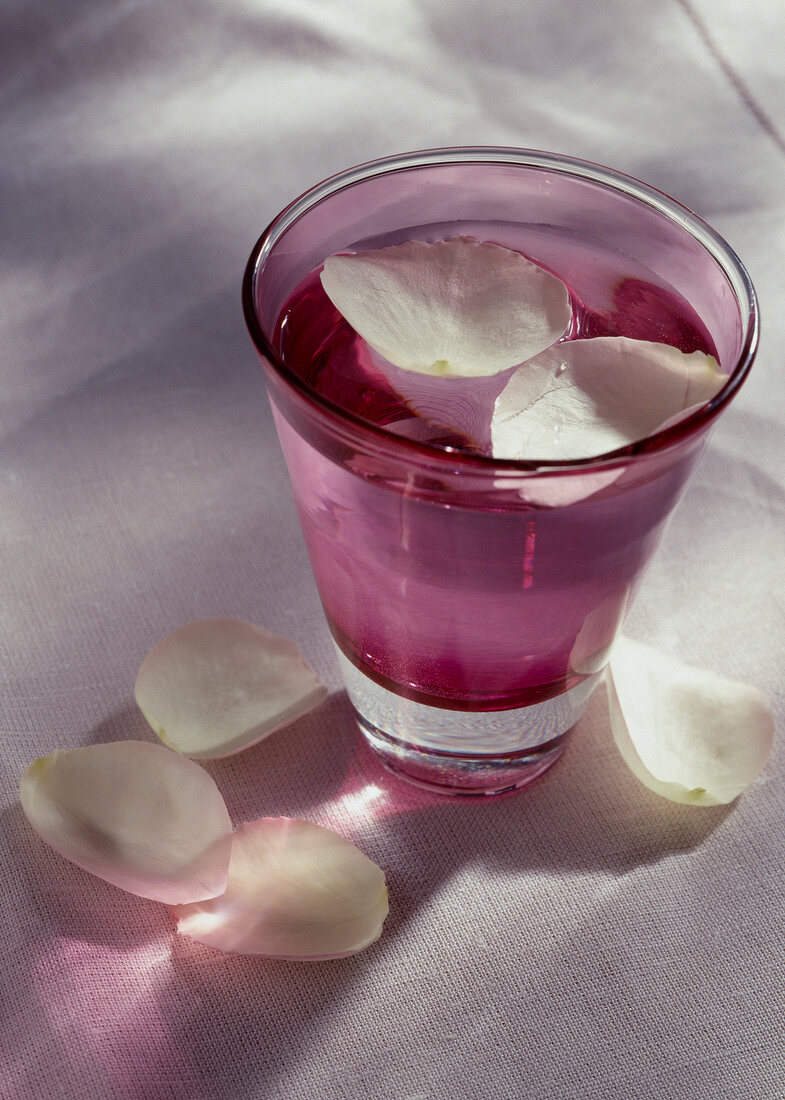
{"x": 581, "y": 940}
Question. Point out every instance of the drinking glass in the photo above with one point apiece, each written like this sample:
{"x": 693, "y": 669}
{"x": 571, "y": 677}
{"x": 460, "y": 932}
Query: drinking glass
{"x": 473, "y": 601}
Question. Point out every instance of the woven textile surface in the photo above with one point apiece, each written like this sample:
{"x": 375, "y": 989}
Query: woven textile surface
{"x": 582, "y": 940}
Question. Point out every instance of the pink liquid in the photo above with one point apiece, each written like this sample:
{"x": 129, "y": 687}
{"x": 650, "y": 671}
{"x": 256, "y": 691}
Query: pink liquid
{"x": 436, "y": 590}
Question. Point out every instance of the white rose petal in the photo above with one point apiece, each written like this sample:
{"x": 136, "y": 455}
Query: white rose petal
{"x": 687, "y": 734}
{"x": 570, "y": 488}
{"x": 585, "y": 398}
{"x": 296, "y": 891}
{"x": 216, "y": 686}
{"x": 450, "y": 308}
{"x": 593, "y": 643}
{"x": 134, "y": 814}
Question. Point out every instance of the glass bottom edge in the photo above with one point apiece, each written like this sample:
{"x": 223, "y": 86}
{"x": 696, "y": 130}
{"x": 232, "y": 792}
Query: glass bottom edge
{"x": 463, "y": 752}
{"x": 449, "y": 774}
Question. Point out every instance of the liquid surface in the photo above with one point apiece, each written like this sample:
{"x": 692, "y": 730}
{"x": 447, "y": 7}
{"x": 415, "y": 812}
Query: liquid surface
{"x": 610, "y": 296}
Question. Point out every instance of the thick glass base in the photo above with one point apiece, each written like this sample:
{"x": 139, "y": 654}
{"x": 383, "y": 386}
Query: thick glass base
{"x": 463, "y": 752}
{"x": 446, "y": 773}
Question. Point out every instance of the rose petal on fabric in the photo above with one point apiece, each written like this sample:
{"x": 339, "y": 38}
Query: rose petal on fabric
{"x": 215, "y": 686}
{"x": 594, "y": 641}
{"x": 449, "y": 308}
{"x": 134, "y": 814}
{"x": 686, "y": 733}
{"x": 584, "y": 398}
{"x": 296, "y": 891}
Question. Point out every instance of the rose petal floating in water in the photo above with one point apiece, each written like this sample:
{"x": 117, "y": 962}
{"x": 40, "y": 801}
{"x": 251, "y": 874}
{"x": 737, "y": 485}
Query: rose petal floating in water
{"x": 134, "y": 814}
{"x": 554, "y": 491}
{"x": 216, "y": 686}
{"x": 687, "y": 734}
{"x": 584, "y": 398}
{"x": 295, "y": 891}
{"x": 450, "y": 308}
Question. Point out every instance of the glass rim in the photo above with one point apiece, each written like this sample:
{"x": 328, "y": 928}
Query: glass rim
{"x": 598, "y": 174}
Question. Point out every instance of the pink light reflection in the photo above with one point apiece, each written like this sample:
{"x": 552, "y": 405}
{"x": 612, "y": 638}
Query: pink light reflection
{"x": 101, "y": 1006}
{"x": 370, "y": 794}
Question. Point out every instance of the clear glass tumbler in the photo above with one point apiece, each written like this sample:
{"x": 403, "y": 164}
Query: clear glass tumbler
{"x": 473, "y": 601}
